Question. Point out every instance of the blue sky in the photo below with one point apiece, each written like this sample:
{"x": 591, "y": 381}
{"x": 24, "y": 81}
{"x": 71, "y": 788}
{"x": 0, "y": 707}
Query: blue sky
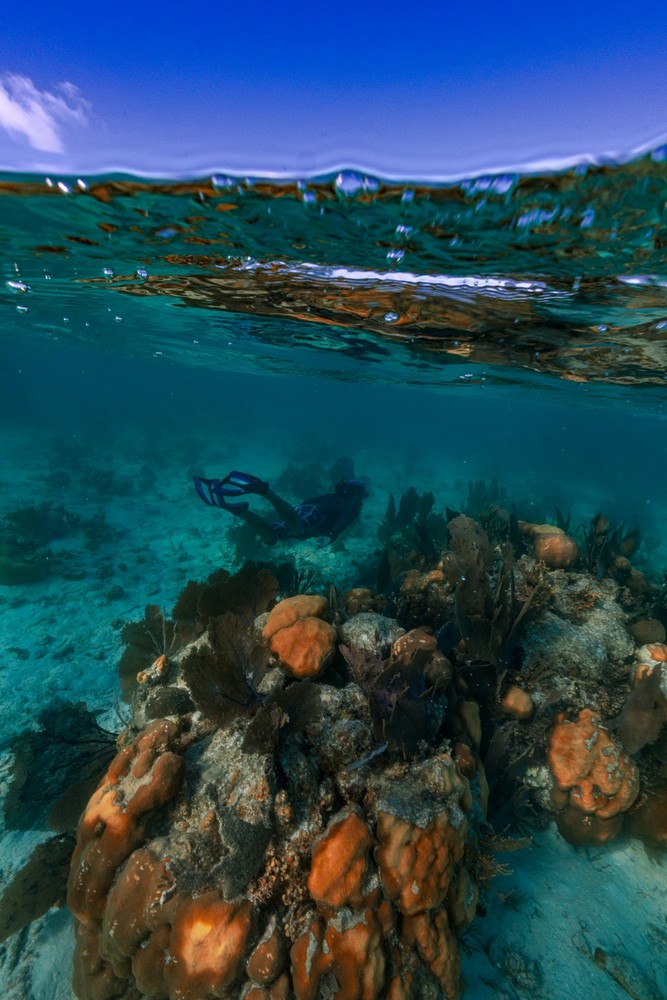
{"x": 406, "y": 89}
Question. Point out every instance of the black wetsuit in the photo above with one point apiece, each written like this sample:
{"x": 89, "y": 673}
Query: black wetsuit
{"x": 328, "y": 515}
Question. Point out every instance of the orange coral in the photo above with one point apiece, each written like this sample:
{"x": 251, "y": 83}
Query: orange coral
{"x": 305, "y": 648}
{"x": 112, "y": 824}
{"x": 590, "y": 772}
{"x": 355, "y": 956}
{"x": 381, "y": 894}
{"x": 339, "y": 866}
{"x": 280, "y": 990}
{"x": 437, "y": 945}
{"x": 551, "y": 544}
{"x": 207, "y": 946}
{"x": 303, "y": 643}
{"x": 268, "y": 957}
{"x": 462, "y": 898}
{"x": 133, "y": 910}
{"x": 580, "y": 828}
{"x": 418, "y": 646}
{"x": 92, "y": 977}
{"x": 518, "y": 703}
{"x": 648, "y": 657}
{"x": 362, "y": 599}
{"x": 290, "y": 610}
{"x": 416, "y": 863}
{"x": 348, "y": 948}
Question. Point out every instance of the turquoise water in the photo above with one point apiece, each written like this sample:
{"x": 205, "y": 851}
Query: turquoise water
{"x": 506, "y": 328}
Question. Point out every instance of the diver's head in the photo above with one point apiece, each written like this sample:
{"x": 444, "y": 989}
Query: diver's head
{"x": 351, "y": 488}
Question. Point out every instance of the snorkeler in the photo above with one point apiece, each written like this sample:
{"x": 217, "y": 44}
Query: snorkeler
{"x": 319, "y": 517}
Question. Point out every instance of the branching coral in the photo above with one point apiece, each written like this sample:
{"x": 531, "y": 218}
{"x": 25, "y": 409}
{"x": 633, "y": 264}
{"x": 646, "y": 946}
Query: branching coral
{"x": 413, "y": 535}
{"x": 489, "y": 615}
{"x": 607, "y": 552}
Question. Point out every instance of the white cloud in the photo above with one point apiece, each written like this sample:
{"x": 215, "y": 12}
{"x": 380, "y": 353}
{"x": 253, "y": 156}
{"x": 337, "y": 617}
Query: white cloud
{"x": 40, "y": 115}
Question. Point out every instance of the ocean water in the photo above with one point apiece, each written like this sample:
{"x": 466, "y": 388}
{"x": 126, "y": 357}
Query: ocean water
{"x": 505, "y": 328}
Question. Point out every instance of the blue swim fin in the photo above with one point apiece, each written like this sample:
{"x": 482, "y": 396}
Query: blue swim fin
{"x": 237, "y": 484}
{"x": 209, "y": 490}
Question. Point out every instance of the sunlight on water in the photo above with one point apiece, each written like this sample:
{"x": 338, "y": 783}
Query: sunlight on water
{"x": 560, "y": 273}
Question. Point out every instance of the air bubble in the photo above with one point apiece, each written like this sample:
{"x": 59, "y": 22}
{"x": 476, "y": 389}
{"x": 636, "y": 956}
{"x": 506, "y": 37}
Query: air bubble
{"x": 18, "y": 287}
{"x": 390, "y": 317}
{"x": 587, "y": 219}
{"x": 349, "y": 183}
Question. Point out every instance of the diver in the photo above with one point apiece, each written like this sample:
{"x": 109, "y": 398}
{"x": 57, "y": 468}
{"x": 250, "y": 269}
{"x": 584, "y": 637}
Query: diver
{"x": 319, "y": 517}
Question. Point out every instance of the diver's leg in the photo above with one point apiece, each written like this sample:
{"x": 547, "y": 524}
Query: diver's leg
{"x": 285, "y": 512}
{"x": 261, "y": 527}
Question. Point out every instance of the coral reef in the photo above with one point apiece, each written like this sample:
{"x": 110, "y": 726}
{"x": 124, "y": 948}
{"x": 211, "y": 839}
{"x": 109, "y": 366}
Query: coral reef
{"x": 302, "y": 805}
{"x": 412, "y": 534}
{"x": 270, "y": 846}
